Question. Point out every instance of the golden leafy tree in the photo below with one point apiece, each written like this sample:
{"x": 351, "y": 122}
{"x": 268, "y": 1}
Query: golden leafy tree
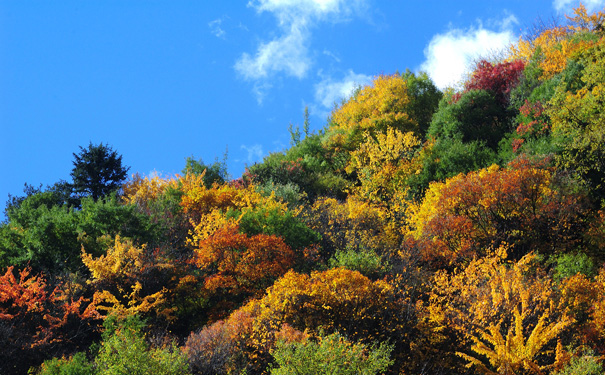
{"x": 129, "y": 280}
{"x": 509, "y": 313}
{"x": 374, "y": 108}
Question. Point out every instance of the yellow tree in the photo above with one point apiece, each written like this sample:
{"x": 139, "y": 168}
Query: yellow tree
{"x": 383, "y": 163}
{"x": 508, "y": 312}
{"x": 129, "y": 280}
{"x": 373, "y": 108}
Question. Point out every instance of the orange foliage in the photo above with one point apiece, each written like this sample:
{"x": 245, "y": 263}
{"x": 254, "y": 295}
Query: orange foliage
{"x": 238, "y": 265}
{"x": 555, "y": 46}
{"x": 36, "y": 318}
{"x": 518, "y": 206}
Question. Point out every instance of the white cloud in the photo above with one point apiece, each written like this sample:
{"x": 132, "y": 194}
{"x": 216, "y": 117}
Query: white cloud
{"x": 255, "y": 153}
{"x": 215, "y": 28}
{"x": 289, "y": 52}
{"x": 329, "y": 91}
{"x": 450, "y": 55}
{"x": 565, "y": 6}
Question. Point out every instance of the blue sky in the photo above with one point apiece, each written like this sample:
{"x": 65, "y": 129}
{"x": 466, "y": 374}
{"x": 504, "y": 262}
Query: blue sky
{"x": 163, "y": 80}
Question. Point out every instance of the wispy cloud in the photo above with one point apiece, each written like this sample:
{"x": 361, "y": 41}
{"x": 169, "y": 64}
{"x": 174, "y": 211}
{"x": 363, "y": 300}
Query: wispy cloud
{"x": 255, "y": 153}
{"x": 449, "y": 55}
{"x": 216, "y": 28}
{"x": 330, "y": 91}
{"x": 565, "y": 6}
{"x": 288, "y": 53}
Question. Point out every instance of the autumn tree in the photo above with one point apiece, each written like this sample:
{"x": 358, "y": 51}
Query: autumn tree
{"x": 373, "y": 109}
{"x": 577, "y": 115}
{"x": 130, "y": 280}
{"x": 37, "y": 319}
{"x": 508, "y": 314}
{"x": 236, "y": 266}
{"x": 525, "y": 205}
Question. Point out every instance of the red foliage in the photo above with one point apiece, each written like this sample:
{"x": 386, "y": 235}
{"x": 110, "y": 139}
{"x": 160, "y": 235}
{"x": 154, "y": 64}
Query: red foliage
{"x": 498, "y": 78}
{"x": 33, "y": 316}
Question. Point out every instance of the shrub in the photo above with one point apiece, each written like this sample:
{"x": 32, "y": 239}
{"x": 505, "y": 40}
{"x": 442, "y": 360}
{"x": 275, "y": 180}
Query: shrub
{"x": 332, "y": 354}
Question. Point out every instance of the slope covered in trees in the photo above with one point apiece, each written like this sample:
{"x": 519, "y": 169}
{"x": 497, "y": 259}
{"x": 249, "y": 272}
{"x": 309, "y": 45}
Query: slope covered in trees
{"x": 419, "y": 231}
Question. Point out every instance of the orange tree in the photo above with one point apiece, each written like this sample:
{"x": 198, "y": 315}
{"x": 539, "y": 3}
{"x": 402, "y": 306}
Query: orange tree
{"x": 37, "y": 320}
{"x": 236, "y": 266}
{"x": 525, "y": 205}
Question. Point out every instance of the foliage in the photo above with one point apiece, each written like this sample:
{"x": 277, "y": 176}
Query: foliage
{"x": 275, "y": 221}
{"x": 498, "y": 78}
{"x": 36, "y": 318}
{"x": 362, "y": 260}
{"x": 237, "y": 266}
{"x": 212, "y": 173}
{"x": 77, "y": 364}
{"x": 577, "y": 117}
{"x": 129, "y": 280}
{"x": 373, "y": 108}
{"x": 333, "y": 354}
{"x": 476, "y": 115}
{"x": 350, "y": 224}
{"x": 509, "y": 314}
{"x": 567, "y": 265}
{"x": 124, "y": 351}
{"x": 97, "y": 171}
{"x": 424, "y": 99}
{"x": 586, "y": 364}
{"x": 334, "y": 300}
{"x": 525, "y": 206}
{"x": 49, "y": 237}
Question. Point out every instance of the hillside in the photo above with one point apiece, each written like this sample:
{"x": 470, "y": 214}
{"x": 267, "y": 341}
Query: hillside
{"x": 419, "y": 232}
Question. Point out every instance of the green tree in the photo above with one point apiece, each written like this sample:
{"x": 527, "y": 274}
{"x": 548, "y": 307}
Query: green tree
{"x": 333, "y": 354}
{"x": 97, "y": 171}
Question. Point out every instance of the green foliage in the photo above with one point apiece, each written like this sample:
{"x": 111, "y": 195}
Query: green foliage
{"x": 108, "y": 218}
{"x": 476, "y": 116}
{"x": 587, "y": 364}
{"x": 49, "y": 236}
{"x": 424, "y": 99}
{"x": 333, "y": 354}
{"x": 272, "y": 221}
{"x": 362, "y": 260}
{"x": 214, "y": 173}
{"x": 124, "y": 351}
{"x": 97, "y": 171}
{"x": 447, "y": 158}
{"x": 78, "y": 364}
{"x": 566, "y": 265}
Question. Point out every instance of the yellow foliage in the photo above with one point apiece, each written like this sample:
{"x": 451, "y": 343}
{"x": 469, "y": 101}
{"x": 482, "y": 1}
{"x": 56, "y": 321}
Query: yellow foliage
{"x": 509, "y": 311}
{"x": 373, "y": 108}
{"x": 140, "y": 191}
{"x": 116, "y": 276}
{"x": 206, "y": 207}
{"x": 353, "y": 224}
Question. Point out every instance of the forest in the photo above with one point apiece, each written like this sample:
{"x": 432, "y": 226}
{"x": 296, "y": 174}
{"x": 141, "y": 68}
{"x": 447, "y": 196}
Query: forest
{"x": 418, "y": 232}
